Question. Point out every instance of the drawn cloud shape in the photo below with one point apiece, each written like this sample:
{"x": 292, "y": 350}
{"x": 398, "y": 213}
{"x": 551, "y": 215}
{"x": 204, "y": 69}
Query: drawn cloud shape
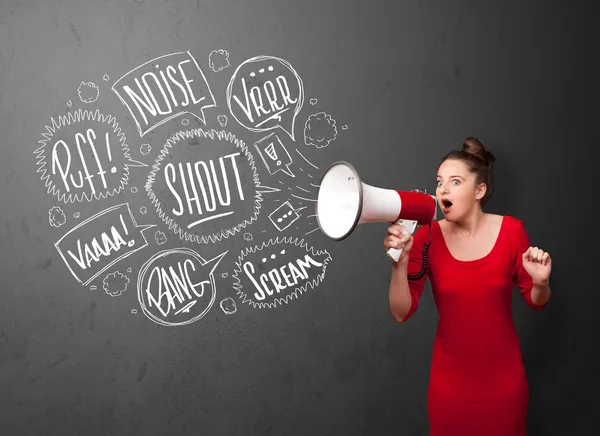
{"x": 218, "y": 60}
{"x": 115, "y": 283}
{"x": 319, "y": 130}
{"x": 56, "y": 216}
{"x": 88, "y": 92}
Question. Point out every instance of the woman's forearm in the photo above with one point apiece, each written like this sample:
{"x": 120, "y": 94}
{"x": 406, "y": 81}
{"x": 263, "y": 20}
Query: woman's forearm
{"x": 400, "y": 297}
{"x": 540, "y": 294}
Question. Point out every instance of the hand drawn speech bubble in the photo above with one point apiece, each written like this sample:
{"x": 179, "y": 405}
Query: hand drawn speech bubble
{"x": 274, "y": 154}
{"x": 99, "y": 242}
{"x": 177, "y": 286}
{"x": 264, "y": 93}
{"x": 278, "y": 271}
{"x": 84, "y": 155}
{"x": 164, "y": 88}
{"x": 209, "y": 195}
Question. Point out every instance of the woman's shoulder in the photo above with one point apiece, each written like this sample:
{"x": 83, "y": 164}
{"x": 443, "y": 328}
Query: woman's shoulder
{"x": 510, "y": 221}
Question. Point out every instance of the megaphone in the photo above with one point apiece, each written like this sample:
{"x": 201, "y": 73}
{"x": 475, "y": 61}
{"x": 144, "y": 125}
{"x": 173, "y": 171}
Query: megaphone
{"x": 344, "y": 201}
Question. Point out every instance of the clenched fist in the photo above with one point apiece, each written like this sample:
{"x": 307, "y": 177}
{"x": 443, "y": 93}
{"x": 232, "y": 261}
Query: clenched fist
{"x": 538, "y": 264}
{"x": 397, "y": 237}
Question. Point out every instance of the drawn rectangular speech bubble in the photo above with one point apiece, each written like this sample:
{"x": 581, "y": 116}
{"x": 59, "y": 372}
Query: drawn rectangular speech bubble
{"x": 164, "y": 88}
{"x": 99, "y": 242}
{"x": 274, "y": 154}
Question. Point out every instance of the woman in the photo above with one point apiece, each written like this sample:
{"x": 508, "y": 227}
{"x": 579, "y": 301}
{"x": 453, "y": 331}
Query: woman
{"x": 477, "y": 381}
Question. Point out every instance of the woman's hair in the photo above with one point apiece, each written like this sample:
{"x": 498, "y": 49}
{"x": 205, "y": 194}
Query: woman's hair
{"x": 480, "y": 162}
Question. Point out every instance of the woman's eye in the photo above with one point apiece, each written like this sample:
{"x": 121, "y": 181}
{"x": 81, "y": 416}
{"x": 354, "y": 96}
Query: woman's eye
{"x": 457, "y": 181}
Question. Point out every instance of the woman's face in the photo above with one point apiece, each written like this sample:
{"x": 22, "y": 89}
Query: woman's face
{"x": 456, "y": 191}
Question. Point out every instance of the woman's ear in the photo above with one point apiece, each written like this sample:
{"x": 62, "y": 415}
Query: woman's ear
{"x": 481, "y": 190}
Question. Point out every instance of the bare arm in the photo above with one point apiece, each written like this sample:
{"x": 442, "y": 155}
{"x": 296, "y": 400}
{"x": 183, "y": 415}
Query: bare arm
{"x": 400, "y": 296}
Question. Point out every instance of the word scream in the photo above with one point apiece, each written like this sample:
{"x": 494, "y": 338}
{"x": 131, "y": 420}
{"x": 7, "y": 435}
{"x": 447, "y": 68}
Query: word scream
{"x": 280, "y": 278}
{"x": 194, "y": 187}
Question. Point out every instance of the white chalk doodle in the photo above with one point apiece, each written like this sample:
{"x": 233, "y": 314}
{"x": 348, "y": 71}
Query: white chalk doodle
{"x": 345, "y": 127}
{"x": 145, "y": 149}
{"x": 88, "y": 92}
{"x": 56, "y": 217}
{"x": 228, "y": 306}
{"x": 272, "y": 100}
{"x": 224, "y": 275}
{"x": 93, "y": 288}
{"x": 76, "y": 215}
{"x": 274, "y": 154}
{"x": 218, "y": 60}
{"x": 247, "y": 237}
{"x": 222, "y": 119}
{"x": 133, "y": 311}
{"x": 143, "y": 210}
{"x": 99, "y": 242}
{"x": 84, "y": 155}
{"x": 313, "y": 101}
{"x": 319, "y": 130}
{"x": 284, "y": 216}
{"x": 185, "y": 122}
{"x": 164, "y": 88}
{"x": 160, "y": 237}
{"x": 129, "y": 269}
{"x": 114, "y": 284}
{"x": 288, "y": 271}
{"x": 134, "y": 189}
{"x": 177, "y": 286}
{"x": 188, "y": 191}
{"x": 69, "y": 103}
{"x": 106, "y": 78}
{"x": 307, "y": 161}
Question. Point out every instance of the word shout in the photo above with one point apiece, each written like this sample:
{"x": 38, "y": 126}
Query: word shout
{"x": 198, "y": 189}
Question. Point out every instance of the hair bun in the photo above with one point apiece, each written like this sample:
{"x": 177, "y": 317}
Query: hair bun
{"x": 473, "y": 146}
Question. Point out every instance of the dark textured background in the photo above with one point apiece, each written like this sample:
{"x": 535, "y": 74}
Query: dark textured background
{"x": 410, "y": 79}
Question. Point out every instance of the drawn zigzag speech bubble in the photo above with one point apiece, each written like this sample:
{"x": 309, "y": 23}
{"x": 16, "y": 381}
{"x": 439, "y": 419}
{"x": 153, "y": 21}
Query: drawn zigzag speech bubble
{"x": 72, "y": 121}
{"x": 187, "y": 230}
{"x": 310, "y": 270}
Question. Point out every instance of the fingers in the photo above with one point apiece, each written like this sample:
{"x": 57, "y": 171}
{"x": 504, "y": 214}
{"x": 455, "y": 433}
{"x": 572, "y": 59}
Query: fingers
{"x": 397, "y": 242}
{"x": 535, "y": 254}
{"x": 396, "y": 230}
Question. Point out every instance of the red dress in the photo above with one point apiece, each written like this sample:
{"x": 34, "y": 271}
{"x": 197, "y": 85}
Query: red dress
{"x": 477, "y": 383}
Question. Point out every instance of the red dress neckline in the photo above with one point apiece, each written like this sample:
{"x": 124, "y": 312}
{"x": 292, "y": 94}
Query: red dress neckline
{"x": 473, "y": 262}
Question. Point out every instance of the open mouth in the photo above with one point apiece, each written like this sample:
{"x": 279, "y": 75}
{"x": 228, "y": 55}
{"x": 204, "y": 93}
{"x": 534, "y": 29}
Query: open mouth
{"x": 446, "y": 205}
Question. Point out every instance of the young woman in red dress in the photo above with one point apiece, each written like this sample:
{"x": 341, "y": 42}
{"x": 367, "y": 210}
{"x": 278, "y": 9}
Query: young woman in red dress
{"x": 477, "y": 380}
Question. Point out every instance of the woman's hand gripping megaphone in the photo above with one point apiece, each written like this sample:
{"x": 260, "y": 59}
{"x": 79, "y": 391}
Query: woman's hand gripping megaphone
{"x": 399, "y": 240}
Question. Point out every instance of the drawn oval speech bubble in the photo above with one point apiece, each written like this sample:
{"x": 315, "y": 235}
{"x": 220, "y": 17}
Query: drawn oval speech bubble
{"x": 84, "y": 155}
{"x": 204, "y": 185}
{"x": 278, "y": 271}
{"x": 264, "y": 93}
{"x": 177, "y": 286}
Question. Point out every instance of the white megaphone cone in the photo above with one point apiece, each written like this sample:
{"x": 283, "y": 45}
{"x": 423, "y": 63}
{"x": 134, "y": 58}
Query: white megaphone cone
{"x": 344, "y": 202}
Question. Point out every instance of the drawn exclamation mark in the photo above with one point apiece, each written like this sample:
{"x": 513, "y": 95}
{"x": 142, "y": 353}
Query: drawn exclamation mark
{"x": 131, "y": 242}
{"x": 113, "y": 169}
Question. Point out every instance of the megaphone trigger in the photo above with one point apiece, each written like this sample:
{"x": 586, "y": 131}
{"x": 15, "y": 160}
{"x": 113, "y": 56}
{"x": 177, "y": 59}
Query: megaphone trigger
{"x": 408, "y": 227}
